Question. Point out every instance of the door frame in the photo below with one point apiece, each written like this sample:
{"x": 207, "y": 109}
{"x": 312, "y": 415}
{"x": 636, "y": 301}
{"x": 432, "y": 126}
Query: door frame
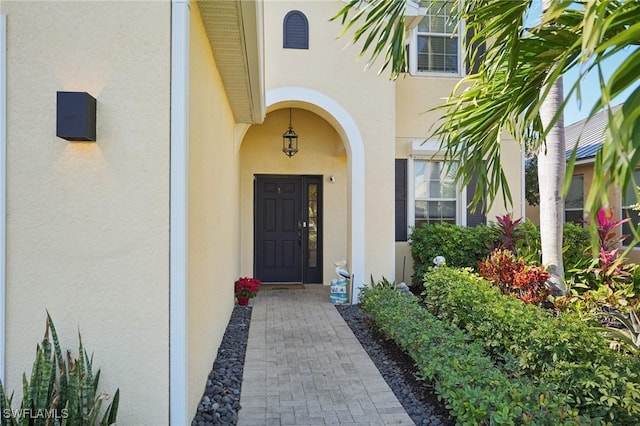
{"x": 305, "y": 180}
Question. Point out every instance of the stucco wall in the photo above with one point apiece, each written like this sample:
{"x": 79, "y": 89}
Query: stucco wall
{"x": 87, "y": 225}
{"x": 321, "y": 153}
{"x": 415, "y": 97}
{"x": 214, "y": 187}
{"x": 331, "y": 69}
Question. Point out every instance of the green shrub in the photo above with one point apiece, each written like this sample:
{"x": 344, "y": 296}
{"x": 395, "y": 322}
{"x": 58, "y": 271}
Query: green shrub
{"x": 461, "y": 246}
{"x": 475, "y": 390}
{"x": 60, "y": 391}
{"x": 529, "y": 245}
{"x": 464, "y": 247}
{"x": 561, "y": 350}
{"x": 576, "y": 244}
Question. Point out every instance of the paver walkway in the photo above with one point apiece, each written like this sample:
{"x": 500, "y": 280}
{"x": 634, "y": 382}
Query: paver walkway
{"x": 304, "y": 366}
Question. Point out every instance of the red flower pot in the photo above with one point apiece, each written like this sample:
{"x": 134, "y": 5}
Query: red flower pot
{"x": 243, "y": 300}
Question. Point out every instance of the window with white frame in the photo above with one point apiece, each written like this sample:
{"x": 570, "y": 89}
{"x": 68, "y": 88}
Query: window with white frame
{"x": 629, "y": 201}
{"x": 435, "y": 195}
{"x": 574, "y": 202}
{"x": 437, "y": 41}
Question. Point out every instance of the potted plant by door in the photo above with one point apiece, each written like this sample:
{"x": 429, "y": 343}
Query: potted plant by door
{"x": 246, "y": 288}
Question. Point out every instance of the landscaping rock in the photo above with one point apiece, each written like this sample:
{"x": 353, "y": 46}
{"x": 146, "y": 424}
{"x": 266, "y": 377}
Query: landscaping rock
{"x": 221, "y": 400}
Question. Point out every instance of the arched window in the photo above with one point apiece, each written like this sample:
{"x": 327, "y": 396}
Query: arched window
{"x": 295, "y": 31}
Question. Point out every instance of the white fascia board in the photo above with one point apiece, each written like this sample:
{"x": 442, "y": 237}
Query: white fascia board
{"x": 252, "y": 13}
{"x": 590, "y": 160}
{"x": 421, "y": 147}
{"x": 414, "y": 14}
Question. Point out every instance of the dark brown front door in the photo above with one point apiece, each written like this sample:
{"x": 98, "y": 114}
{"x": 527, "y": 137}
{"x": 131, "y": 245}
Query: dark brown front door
{"x": 288, "y": 220}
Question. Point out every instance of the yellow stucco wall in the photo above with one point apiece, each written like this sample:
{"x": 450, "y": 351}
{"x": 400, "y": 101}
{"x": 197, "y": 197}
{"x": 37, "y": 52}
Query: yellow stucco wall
{"x": 88, "y": 223}
{"x": 321, "y": 153}
{"x": 329, "y": 68}
{"x": 214, "y": 187}
{"x": 415, "y": 97}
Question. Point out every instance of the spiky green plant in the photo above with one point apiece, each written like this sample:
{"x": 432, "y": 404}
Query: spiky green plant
{"x": 62, "y": 391}
{"x": 627, "y": 337}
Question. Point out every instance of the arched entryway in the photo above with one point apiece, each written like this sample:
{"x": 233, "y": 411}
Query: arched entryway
{"x": 331, "y": 150}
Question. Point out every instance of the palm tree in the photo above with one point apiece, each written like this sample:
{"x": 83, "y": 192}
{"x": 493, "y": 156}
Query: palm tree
{"x": 551, "y": 171}
{"x": 518, "y": 89}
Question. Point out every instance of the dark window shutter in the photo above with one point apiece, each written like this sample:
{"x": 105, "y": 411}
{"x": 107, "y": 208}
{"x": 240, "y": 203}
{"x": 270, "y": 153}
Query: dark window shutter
{"x": 475, "y": 216}
{"x": 295, "y": 31}
{"x": 477, "y": 47}
{"x": 401, "y": 199}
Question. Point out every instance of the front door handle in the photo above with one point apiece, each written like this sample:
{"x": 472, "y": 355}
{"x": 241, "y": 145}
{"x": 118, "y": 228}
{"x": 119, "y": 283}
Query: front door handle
{"x": 301, "y": 224}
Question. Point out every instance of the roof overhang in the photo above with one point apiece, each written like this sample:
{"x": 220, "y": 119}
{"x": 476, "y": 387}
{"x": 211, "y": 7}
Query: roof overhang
{"x": 235, "y": 32}
{"x": 413, "y": 14}
{"x": 590, "y": 160}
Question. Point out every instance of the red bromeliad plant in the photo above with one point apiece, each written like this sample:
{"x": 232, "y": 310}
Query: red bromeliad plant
{"x": 514, "y": 277}
{"x": 247, "y": 287}
{"x": 608, "y": 229}
{"x": 507, "y": 231}
{"x": 608, "y": 268}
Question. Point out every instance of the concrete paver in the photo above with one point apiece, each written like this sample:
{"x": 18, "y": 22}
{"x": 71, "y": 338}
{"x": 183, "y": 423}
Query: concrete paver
{"x": 304, "y": 366}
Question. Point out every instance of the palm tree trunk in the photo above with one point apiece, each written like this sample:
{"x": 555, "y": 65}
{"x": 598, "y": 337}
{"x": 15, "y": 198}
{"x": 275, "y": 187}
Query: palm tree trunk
{"x": 551, "y": 170}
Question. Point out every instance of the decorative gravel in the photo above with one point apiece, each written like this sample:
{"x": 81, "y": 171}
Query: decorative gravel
{"x": 221, "y": 400}
{"x": 399, "y": 371}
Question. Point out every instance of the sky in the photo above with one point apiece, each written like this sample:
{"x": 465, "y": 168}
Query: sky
{"x": 590, "y": 90}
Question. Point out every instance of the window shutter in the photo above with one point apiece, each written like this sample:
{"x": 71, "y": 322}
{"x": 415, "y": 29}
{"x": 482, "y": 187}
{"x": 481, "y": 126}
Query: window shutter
{"x": 478, "y": 47}
{"x": 476, "y": 216}
{"x": 401, "y": 199}
{"x": 295, "y": 31}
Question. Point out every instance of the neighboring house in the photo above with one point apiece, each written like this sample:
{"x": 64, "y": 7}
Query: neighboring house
{"x": 587, "y": 137}
{"x": 137, "y": 237}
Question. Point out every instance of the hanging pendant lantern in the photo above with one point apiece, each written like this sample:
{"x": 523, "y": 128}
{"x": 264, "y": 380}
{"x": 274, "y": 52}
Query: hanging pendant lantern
{"x": 290, "y": 140}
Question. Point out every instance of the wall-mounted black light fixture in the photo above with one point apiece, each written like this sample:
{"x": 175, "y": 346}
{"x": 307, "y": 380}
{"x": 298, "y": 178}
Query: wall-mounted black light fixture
{"x": 76, "y": 116}
{"x": 290, "y": 140}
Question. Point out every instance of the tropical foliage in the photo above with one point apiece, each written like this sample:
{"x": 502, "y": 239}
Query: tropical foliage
{"x": 60, "y": 390}
{"x": 466, "y": 246}
{"x": 514, "y": 277}
{"x": 517, "y": 77}
{"x": 461, "y": 246}
{"x": 559, "y": 350}
{"x": 506, "y": 93}
{"x": 475, "y": 389}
